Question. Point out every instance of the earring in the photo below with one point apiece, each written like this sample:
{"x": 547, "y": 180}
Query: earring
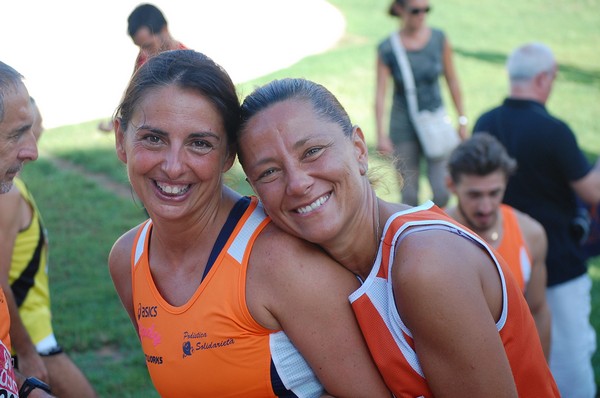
{"x": 253, "y": 190}
{"x": 364, "y": 169}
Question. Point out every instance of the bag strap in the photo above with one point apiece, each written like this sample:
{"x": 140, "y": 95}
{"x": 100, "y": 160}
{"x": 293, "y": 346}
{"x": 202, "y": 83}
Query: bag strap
{"x": 407, "y": 75}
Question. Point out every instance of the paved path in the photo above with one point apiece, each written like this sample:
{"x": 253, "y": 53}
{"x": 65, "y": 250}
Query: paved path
{"x": 77, "y": 57}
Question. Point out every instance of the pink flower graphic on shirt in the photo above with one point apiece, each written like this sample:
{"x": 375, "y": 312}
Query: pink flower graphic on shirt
{"x": 150, "y": 333}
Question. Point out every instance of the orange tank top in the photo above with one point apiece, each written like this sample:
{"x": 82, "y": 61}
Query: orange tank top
{"x": 513, "y": 249}
{"x": 8, "y": 384}
{"x": 211, "y": 346}
{"x": 390, "y": 341}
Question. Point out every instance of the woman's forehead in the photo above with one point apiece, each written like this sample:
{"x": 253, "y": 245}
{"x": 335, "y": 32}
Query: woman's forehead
{"x": 287, "y": 110}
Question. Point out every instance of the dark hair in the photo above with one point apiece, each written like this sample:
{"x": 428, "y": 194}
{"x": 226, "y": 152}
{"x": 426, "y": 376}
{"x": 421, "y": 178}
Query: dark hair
{"x": 145, "y": 15}
{"x": 392, "y": 9}
{"x": 324, "y": 103}
{"x": 482, "y": 154}
{"x": 9, "y": 79}
{"x": 188, "y": 70}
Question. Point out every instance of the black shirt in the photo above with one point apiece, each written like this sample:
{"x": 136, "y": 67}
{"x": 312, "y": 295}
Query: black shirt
{"x": 548, "y": 160}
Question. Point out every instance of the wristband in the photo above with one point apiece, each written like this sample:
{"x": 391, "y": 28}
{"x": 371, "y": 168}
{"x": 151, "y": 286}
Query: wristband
{"x": 462, "y": 120}
{"x": 30, "y": 384}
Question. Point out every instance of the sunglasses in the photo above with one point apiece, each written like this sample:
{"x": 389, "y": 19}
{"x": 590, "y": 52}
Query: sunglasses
{"x": 417, "y": 11}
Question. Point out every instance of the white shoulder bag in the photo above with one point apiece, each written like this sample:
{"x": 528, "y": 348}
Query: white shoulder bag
{"x": 435, "y": 132}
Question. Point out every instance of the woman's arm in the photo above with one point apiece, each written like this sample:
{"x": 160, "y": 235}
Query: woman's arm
{"x": 454, "y": 87}
{"x": 384, "y": 144}
{"x": 294, "y": 286}
{"x": 451, "y": 304}
{"x": 119, "y": 265}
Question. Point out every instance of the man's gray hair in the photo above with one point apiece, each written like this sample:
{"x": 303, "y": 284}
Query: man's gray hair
{"x": 9, "y": 79}
{"x": 529, "y": 60}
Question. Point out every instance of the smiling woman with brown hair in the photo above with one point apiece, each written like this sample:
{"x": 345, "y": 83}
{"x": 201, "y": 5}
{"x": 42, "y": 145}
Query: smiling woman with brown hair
{"x": 225, "y": 303}
{"x": 438, "y": 314}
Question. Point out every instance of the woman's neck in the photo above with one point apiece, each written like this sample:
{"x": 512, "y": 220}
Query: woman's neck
{"x": 357, "y": 246}
{"x": 415, "y": 39}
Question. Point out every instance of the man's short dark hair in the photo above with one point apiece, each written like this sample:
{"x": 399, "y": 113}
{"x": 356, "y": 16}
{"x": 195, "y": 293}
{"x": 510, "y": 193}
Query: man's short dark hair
{"x": 146, "y": 15}
{"x": 480, "y": 155}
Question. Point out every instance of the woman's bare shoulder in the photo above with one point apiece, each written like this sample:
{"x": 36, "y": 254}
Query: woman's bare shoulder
{"x": 120, "y": 254}
{"x": 438, "y": 255}
{"x": 276, "y": 251}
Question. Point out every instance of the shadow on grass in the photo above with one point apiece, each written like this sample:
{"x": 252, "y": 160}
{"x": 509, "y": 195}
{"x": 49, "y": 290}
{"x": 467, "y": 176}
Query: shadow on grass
{"x": 567, "y": 72}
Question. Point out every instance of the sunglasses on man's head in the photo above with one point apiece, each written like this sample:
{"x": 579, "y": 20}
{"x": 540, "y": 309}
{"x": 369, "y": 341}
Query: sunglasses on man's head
{"x": 417, "y": 11}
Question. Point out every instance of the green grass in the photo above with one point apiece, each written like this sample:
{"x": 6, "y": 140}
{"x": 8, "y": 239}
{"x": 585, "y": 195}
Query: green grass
{"x": 85, "y": 219}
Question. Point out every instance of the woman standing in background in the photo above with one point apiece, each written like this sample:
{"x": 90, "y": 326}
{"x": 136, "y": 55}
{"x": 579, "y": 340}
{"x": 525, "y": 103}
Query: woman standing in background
{"x": 430, "y": 55}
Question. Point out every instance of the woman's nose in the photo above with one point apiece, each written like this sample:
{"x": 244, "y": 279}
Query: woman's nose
{"x": 298, "y": 181}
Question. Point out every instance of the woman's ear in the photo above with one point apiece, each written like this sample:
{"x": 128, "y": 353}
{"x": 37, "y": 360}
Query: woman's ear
{"x": 120, "y": 140}
{"x": 361, "y": 149}
{"x": 253, "y": 189}
{"x": 228, "y": 164}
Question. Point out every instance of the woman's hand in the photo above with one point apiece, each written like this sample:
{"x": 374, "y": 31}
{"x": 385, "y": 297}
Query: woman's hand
{"x": 385, "y": 146}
